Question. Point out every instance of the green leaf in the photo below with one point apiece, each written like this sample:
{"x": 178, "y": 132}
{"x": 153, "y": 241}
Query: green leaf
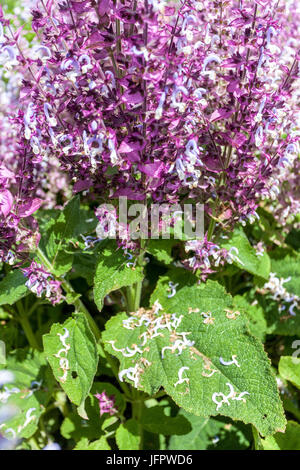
{"x": 112, "y": 273}
{"x": 29, "y": 393}
{"x": 212, "y": 433}
{"x": 289, "y": 369}
{"x": 100, "y": 444}
{"x": 161, "y": 249}
{"x": 71, "y": 350}
{"x": 289, "y": 440}
{"x": 59, "y": 231}
{"x": 12, "y": 288}
{"x": 246, "y": 258}
{"x": 156, "y": 421}
{"x": 84, "y": 265}
{"x": 203, "y": 312}
{"x": 127, "y": 435}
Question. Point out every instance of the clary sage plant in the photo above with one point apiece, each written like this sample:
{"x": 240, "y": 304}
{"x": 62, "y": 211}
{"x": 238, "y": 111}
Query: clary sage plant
{"x": 149, "y": 224}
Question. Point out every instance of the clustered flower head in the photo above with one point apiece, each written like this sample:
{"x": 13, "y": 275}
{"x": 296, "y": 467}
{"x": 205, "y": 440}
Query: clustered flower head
{"x": 42, "y": 283}
{"x": 207, "y": 255}
{"x": 156, "y": 101}
{"x": 106, "y": 403}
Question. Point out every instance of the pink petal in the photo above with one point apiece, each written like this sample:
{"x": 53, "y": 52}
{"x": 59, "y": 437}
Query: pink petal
{"x": 6, "y": 202}
{"x": 29, "y": 207}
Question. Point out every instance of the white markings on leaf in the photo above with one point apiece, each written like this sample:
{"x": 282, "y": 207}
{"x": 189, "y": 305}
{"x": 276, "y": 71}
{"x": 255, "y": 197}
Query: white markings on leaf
{"x": 63, "y": 361}
{"x": 172, "y": 288}
{"x": 181, "y": 379}
{"x": 229, "y": 363}
{"x": 231, "y": 396}
{"x": 28, "y": 419}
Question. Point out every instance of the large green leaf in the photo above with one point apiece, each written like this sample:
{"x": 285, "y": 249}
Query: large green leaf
{"x": 245, "y": 256}
{"x": 12, "y": 288}
{"x": 113, "y": 272}
{"x": 71, "y": 350}
{"x": 202, "y": 334}
{"x": 212, "y": 433}
{"x": 29, "y": 393}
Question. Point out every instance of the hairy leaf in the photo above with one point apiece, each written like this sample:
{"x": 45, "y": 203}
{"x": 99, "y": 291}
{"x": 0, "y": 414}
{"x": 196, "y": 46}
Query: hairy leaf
{"x": 113, "y": 272}
{"x": 72, "y": 353}
{"x": 199, "y": 332}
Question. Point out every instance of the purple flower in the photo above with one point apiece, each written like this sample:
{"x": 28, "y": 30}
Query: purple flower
{"x": 42, "y": 283}
{"x": 155, "y": 102}
{"x": 106, "y": 403}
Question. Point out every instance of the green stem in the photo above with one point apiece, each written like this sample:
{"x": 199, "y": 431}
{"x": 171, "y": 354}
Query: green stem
{"x": 130, "y": 299}
{"x": 27, "y": 327}
{"x": 211, "y": 227}
{"x": 137, "y": 409}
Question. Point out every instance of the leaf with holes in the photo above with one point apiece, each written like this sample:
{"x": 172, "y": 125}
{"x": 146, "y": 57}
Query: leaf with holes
{"x": 200, "y": 352}
{"x": 71, "y": 350}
